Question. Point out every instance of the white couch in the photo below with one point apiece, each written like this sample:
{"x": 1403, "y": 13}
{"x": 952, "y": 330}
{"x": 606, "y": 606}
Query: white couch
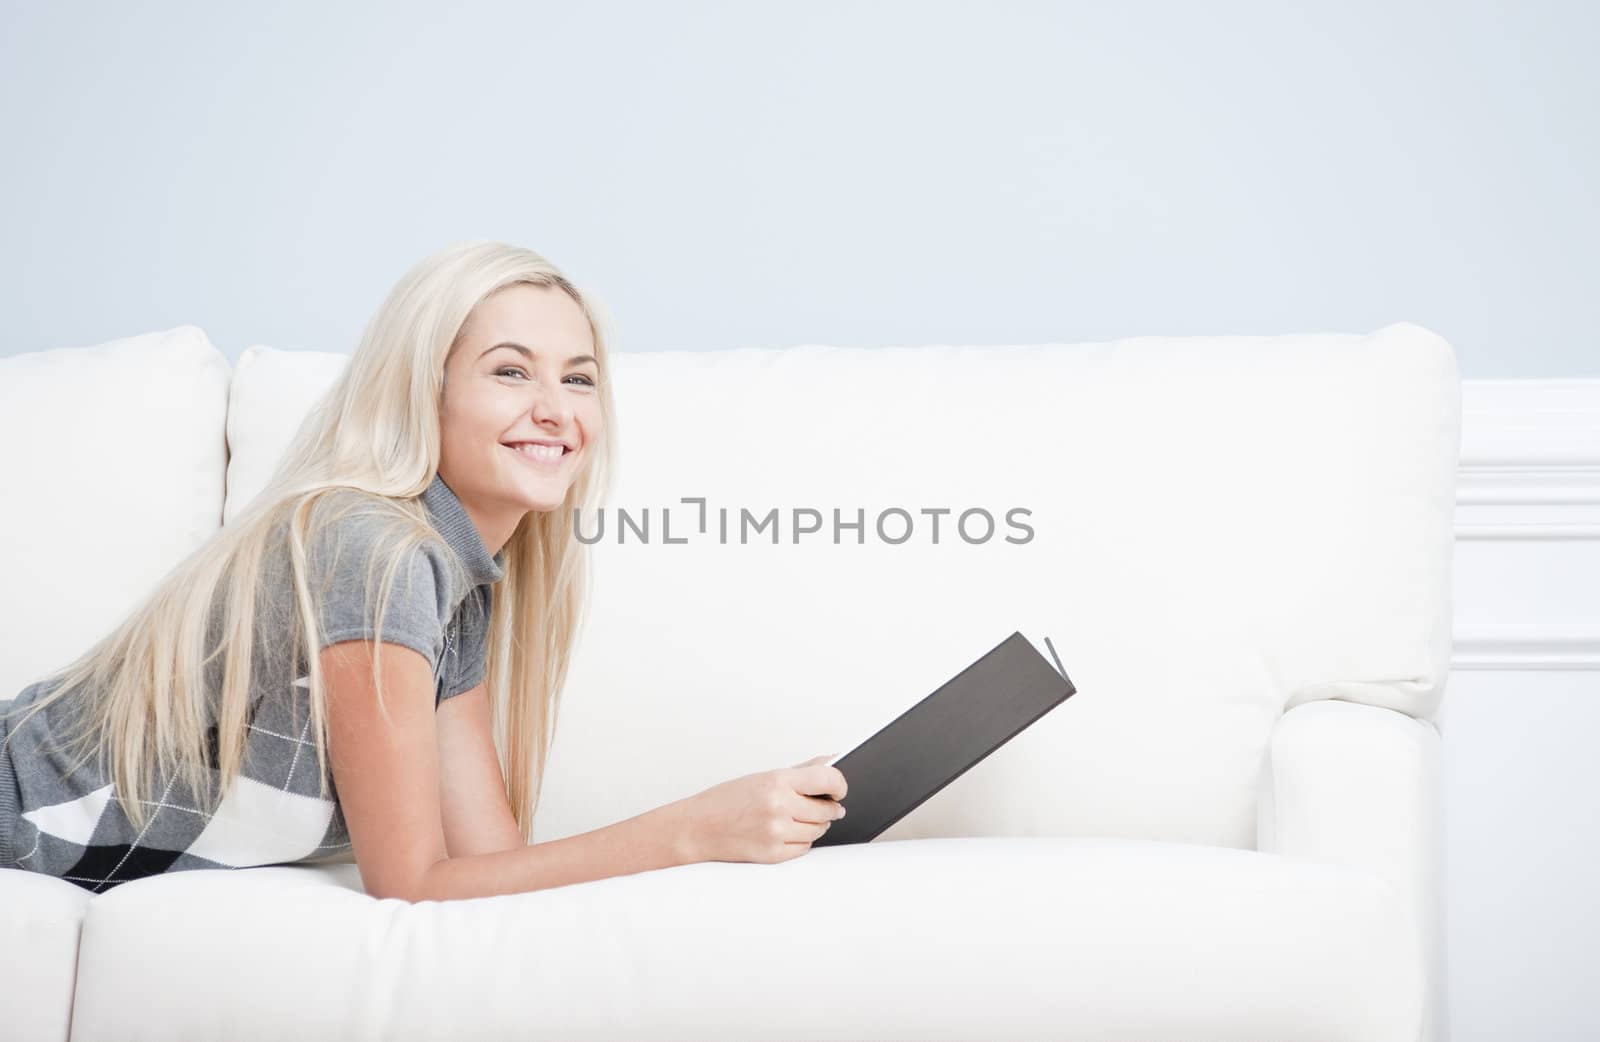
{"x": 1240, "y": 546}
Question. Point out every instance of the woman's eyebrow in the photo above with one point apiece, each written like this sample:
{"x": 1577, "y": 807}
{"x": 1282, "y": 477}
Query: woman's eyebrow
{"x": 574, "y": 360}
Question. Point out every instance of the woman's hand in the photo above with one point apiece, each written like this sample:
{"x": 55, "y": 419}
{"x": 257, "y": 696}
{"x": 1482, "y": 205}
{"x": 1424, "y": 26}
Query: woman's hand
{"x": 767, "y": 817}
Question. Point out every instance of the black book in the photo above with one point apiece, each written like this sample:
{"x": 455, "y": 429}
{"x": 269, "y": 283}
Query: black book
{"x": 943, "y": 736}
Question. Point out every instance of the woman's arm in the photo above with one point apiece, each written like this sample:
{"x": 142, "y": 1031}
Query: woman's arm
{"x": 387, "y": 774}
{"x": 472, "y": 790}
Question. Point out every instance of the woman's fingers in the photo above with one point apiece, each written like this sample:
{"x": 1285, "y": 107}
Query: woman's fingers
{"x": 817, "y": 810}
{"x": 807, "y": 832}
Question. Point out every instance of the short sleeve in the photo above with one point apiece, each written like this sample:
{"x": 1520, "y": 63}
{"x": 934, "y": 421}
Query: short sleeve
{"x": 346, "y": 575}
{"x": 467, "y": 662}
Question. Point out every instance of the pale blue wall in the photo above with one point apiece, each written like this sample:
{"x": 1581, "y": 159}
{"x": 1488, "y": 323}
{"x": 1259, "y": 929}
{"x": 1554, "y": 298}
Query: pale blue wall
{"x": 762, "y": 174}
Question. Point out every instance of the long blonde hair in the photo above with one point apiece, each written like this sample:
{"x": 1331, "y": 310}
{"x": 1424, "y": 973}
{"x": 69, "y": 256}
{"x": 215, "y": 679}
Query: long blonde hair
{"x": 376, "y": 431}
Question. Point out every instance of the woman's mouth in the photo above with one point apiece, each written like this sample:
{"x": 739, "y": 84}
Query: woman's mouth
{"x": 541, "y": 457}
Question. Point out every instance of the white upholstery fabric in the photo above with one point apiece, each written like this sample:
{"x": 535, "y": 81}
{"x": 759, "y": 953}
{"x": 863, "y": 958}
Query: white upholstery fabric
{"x": 271, "y": 392}
{"x": 1224, "y": 529}
{"x": 1088, "y": 939}
{"x": 1360, "y": 786}
{"x": 114, "y": 455}
{"x": 40, "y": 922}
{"x": 113, "y": 463}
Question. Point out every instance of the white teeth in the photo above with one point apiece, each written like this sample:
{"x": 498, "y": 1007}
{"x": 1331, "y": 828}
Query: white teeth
{"x": 546, "y": 452}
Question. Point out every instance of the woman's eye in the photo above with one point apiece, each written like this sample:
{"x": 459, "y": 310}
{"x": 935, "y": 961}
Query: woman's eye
{"x": 506, "y": 369}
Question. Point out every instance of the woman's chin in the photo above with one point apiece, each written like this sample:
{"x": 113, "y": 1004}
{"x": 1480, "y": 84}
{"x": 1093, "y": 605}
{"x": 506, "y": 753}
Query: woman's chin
{"x": 534, "y": 490}
{"x": 543, "y": 496}
{"x": 543, "y": 504}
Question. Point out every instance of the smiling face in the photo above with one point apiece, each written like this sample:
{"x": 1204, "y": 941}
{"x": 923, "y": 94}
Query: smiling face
{"x": 521, "y": 374}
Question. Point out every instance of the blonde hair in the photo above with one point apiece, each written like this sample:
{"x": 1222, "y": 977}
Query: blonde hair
{"x": 376, "y": 431}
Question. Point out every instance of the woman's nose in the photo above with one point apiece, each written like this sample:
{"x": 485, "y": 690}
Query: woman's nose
{"x": 549, "y": 405}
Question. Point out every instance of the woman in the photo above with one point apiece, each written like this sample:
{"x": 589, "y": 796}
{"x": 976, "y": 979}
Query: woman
{"x": 418, "y": 534}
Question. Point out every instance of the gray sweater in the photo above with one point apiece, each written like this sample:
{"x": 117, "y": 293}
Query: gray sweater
{"x": 73, "y": 826}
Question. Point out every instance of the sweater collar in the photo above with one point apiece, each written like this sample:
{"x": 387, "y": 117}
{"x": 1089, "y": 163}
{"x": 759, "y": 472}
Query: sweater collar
{"x": 451, "y": 519}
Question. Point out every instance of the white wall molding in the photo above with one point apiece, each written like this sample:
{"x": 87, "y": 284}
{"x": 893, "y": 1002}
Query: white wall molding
{"x": 1530, "y": 460}
{"x": 1528, "y": 517}
{"x": 1530, "y": 423}
{"x": 1553, "y": 646}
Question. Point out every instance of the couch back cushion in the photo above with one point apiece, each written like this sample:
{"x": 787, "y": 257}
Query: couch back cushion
{"x": 1210, "y": 529}
{"x": 271, "y": 394}
{"x": 113, "y": 472}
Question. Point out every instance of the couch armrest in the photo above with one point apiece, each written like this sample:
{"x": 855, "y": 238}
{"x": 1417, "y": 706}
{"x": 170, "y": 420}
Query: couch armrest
{"x": 1359, "y": 785}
